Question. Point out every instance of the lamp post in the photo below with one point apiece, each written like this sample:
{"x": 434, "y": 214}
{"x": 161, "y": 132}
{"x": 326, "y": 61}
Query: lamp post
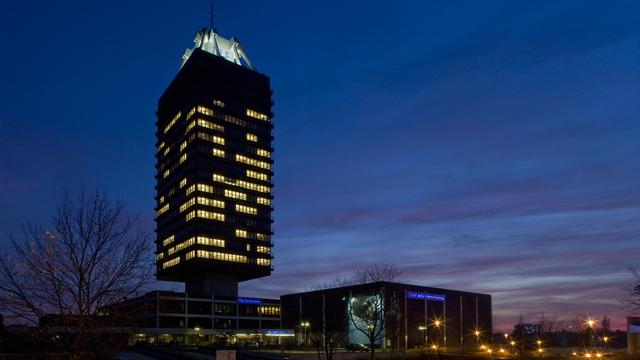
{"x": 477, "y": 334}
{"x": 305, "y": 326}
{"x": 590, "y": 324}
{"x": 437, "y": 325}
{"x": 197, "y": 330}
{"x": 424, "y": 334}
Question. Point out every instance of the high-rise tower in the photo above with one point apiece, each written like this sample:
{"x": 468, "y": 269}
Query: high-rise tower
{"x": 214, "y": 170}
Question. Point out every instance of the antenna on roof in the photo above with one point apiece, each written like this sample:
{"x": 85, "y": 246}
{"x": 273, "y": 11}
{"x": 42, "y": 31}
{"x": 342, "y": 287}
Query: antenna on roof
{"x": 211, "y": 17}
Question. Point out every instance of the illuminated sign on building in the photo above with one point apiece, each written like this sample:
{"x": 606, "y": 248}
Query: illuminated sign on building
{"x": 248, "y": 301}
{"x": 426, "y": 296}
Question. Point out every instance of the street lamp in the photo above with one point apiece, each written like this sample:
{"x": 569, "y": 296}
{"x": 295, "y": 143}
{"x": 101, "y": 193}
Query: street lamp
{"x": 477, "y": 333}
{"x": 305, "y": 325}
{"x": 424, "y": 334}
{"x": 590, "y": 324}
{"x": 197, "y": 330}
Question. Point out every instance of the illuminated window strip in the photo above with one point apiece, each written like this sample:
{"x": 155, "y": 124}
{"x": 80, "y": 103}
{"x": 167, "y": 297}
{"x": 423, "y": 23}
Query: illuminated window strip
{"x": 221, "y": 256}
{"x": 211, "y": 138}
{"x": 183, "y": 158}
{"x": 257, "y": 175}
{"x": 269, "y": 310}
{"x": 257, "y": 115}
{"x": 263, "y": 153}
{"x": 263, "y": 249}
{"x": 200, "y": 187}
{"x": 218, "y": 152}
{"x": 263, "y": 262}
{"x": 219, "y": 103}
{"x": 241, "y": 233}
{"x": 170, "y": 263}
{"x": 210, "y": 202}
{"x": 160, "y": 256}
{"x": 253, "y": 162}
{"x": 252, "y": 137}
{"x": 173, "y": 121}
{"x": 167, "y": 240}
{"x": 210, "y": 215}
{"x": 163, "y": 209}
{"x": 205, "y": 124}
{"x": 263, "y": 201}
{"x": 235, "y": 194}
{"x": 246, "y": 209}
{"x": 241, "y": 183}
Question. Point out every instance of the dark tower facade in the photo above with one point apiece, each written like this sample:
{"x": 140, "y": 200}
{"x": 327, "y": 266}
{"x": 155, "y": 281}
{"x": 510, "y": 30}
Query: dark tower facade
{"x": 213, "y": 170}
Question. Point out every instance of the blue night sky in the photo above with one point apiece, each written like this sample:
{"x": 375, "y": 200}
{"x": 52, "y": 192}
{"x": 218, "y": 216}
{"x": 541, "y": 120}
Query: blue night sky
{"x": 483, "y": 146}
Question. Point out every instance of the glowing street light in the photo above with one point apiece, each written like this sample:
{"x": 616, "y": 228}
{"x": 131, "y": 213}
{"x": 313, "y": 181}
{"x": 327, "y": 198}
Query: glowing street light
{"x": 437, "y": 323}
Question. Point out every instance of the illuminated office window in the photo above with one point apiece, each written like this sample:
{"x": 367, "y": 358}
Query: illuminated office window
{"x": 166, "y": 173}
{"x": 170, "y": 263}
{"x": 187, "y": 204}
{"x": 204, "y": 240}
{"x": 221, "y": 256}
{"x": 246, "y": 209}
{"x": 205, "y": 110}
{"x": 183, "y": 145}
{"x": 263, "y": 249}
{"x": 161, "y": 199}
{"x": 241, "y": 233}
{"x": 263, "y": 237}
{"x": 160, "y": 256}
{"x": 167, "y": 240}
{"x": 235, "y": 194}
{"x": 263, "y": 201}
{"x": 190, "y": 215}
{"x": 253, "y": 162}
{"x": 269, "y": 310}
{"x": 218, "y": 152}
{"x": 209, "y": 202}
{"x": 163, "y": 209}
{"x": 252, "y": 137}
{"x": 241, "y": 183}
{"x": 191, "y": 113}
{"x": 257, "y": 175}
{"x": 166, "y": 151}
{"x": 263, "y": 153}
{"x": 219, "y": 103}
{"x": 210, "y": 215}
{"x": 183, "y": 182}
{"x": 160, "y": 147}
{"x": 190, "y": 255}
{"x": 211, "y": 138}
{"x": 173, "y": 121}
{"x": 205, "y": 188}
{"x": 256, "y": 115}
{"x": 263, "y": 262}
{"x": 183, "y": 158}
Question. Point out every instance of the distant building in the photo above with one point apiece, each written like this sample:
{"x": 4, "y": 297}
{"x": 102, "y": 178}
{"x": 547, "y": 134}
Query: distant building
{"x": 633, "y": 335}
{"x": 172, "y": 317}
{"x": 424, "y": 315}
{"x": 214, "y": 169}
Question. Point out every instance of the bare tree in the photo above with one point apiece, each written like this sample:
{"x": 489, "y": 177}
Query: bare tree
{"x": 92, "y": 255}
{"x": 370, "y": 315}
{"x": 378, "y": 272}
{"x": 326, "y": 341}
{"x": 633, "y": 291}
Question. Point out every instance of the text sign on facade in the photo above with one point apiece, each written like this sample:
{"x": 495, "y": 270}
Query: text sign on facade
{"x": 249, "y": 301}
{"x": 426, "y": 296}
